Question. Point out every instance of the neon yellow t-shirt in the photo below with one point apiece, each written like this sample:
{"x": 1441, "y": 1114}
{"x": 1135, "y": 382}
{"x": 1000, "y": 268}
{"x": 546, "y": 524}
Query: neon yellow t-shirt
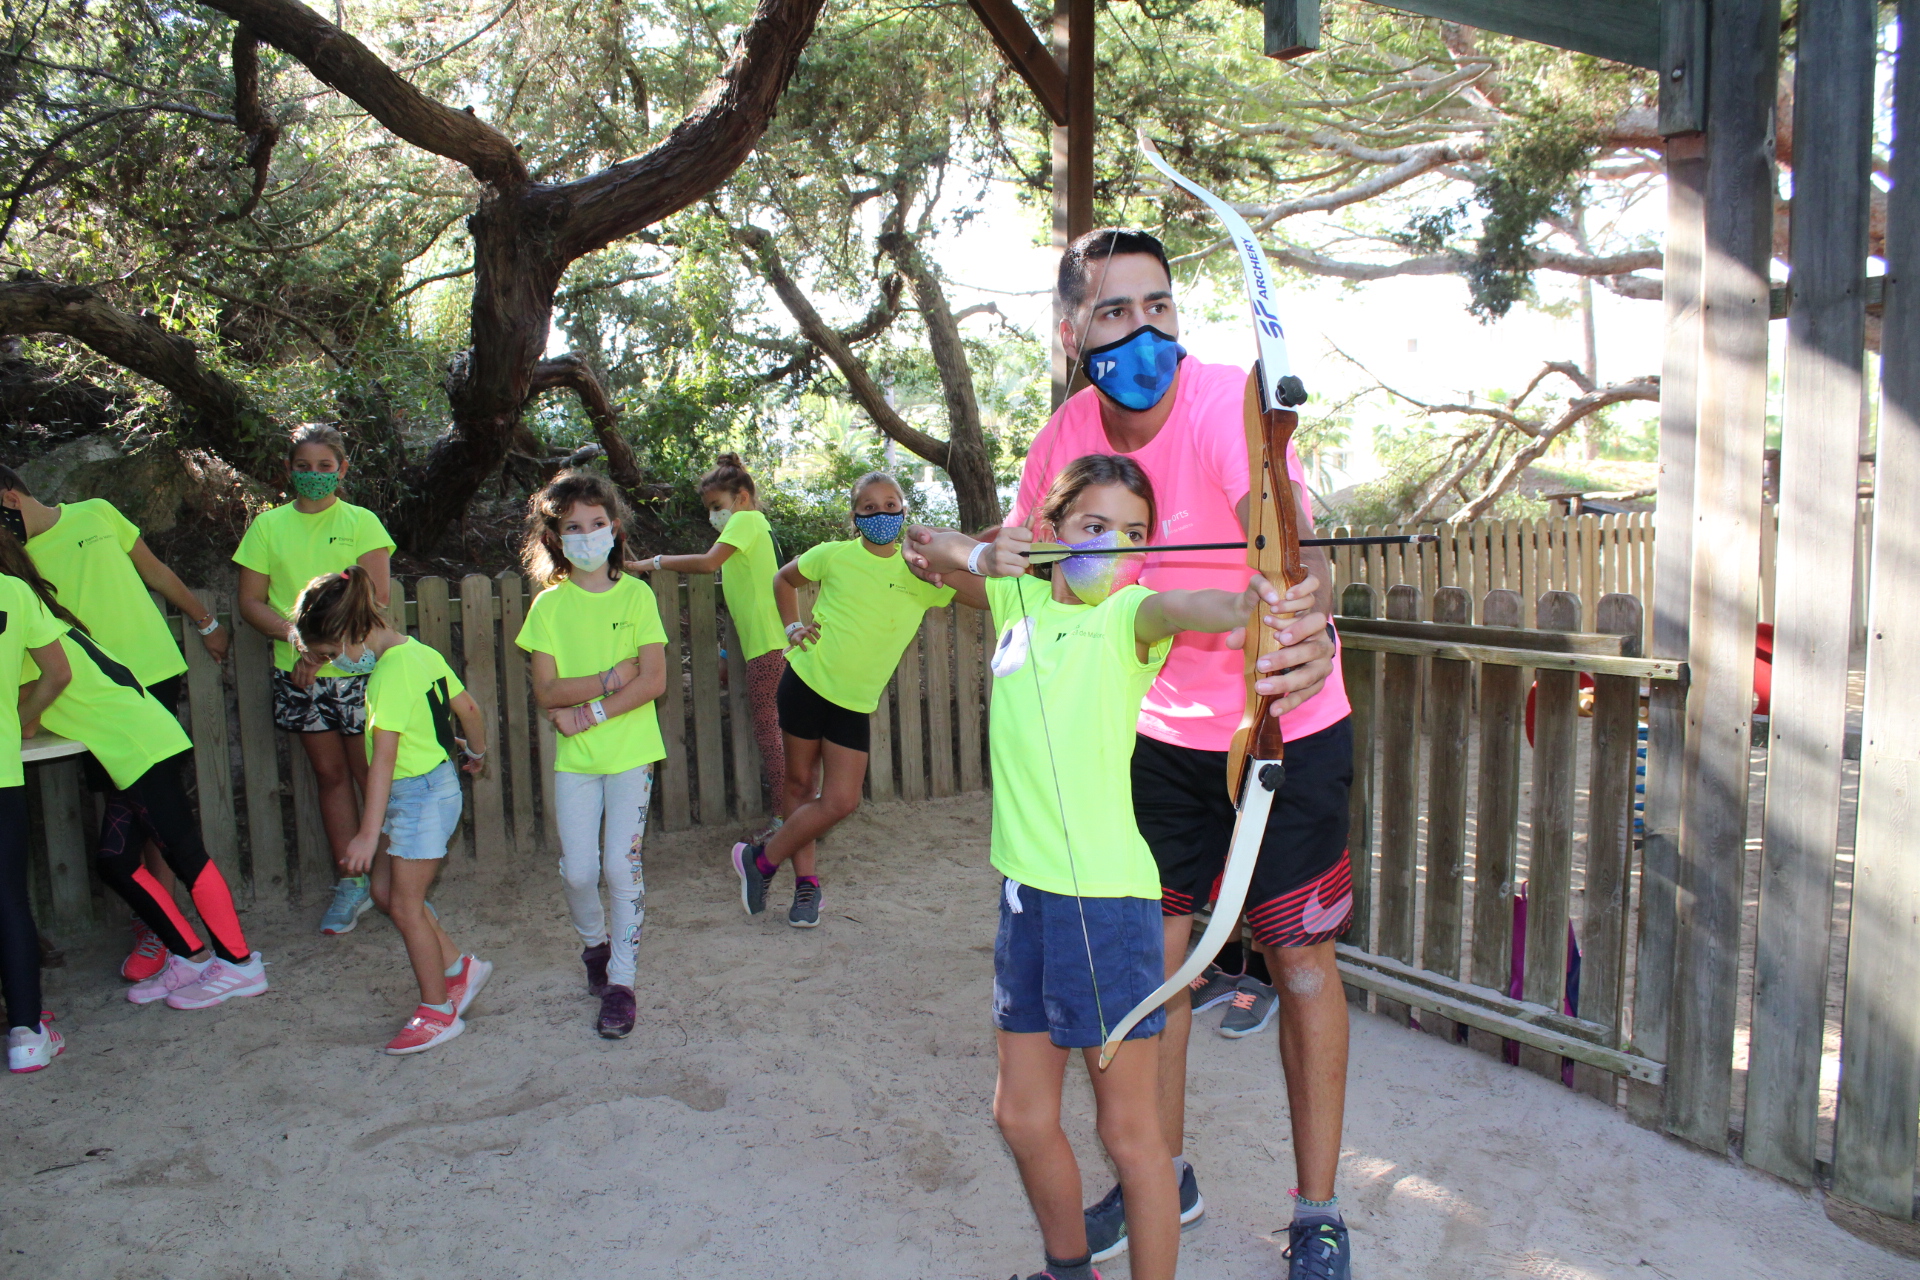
{"x": 108, "y": 708}
{"x": 410, "y": 693}
{"x": 746, "y": 580}
{"x": 293, "y": 548}
{"x": 24, "y": 624}
{"x": 1061, "y": 737}
{"x": 587, "y": 632}
{"x": 868, "y": 610}
{"x": 84, "y": 554}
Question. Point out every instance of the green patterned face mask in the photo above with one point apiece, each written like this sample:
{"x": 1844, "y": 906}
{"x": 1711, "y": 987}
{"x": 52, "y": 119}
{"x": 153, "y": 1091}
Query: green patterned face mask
{"x": 315, "y": 484}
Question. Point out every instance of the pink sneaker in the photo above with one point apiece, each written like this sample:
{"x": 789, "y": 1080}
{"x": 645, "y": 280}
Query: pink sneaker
{"x": 425, "y": 1029}
{"x": 178, "y": 972}
{"x": 148, "y": 957}
{"x": 220, "y": 982}
{"x": 465, "y": 985}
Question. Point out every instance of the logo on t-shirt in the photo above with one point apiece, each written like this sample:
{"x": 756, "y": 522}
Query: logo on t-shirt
{"x": 338, "y": 537}
{"x": 84, "y": 543}
{"x": 1079, "y": 633}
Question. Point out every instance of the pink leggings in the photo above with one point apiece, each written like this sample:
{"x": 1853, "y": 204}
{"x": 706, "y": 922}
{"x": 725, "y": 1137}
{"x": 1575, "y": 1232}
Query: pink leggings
{"x": 763, "y": 679}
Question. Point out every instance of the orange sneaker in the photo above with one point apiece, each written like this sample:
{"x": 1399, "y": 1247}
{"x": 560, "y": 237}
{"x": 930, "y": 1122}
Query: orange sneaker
{"x": 425, "y": 1029}
{"x": 148, "y": 957}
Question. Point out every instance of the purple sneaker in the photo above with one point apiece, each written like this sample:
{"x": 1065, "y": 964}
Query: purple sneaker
{"x": 179, "y": 972}
{"x": 617, "y": 1013}
{"x": 595, "y": 958}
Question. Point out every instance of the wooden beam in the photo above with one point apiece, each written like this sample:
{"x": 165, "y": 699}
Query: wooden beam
{"x": 1586, "y": 642}
{"x": 1626, "y": 31}
{"x": 1819, "y": 476}
{"x": 1073, "y": 137}
{"x": 1656, "y": 669}
{"x": 1744, "y": 57}
{"x": 1874, "y": 1145}
{"x": 1292, "y": 27}
{"x": 1020, "y": 45}
{"x": 1683, "y": 66}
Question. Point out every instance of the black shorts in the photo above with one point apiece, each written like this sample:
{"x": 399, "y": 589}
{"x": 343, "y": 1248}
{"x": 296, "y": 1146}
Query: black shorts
{"x": 805, "y": 714}
{"x": 1302, "y": 891}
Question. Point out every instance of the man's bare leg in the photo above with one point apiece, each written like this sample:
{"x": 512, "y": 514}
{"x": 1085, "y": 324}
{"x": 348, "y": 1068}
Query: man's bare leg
{"x": 1313, "y": 1058}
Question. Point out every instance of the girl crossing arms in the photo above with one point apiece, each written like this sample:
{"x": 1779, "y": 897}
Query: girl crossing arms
{"x": 1079, "y": 941}
{"x": 599, "y": 665}
{"x": 413, "y": 789}
{"x": 869, "y": 608}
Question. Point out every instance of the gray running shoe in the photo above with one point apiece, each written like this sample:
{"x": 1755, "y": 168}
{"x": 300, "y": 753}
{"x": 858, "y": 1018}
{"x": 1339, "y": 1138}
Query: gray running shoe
{"x": 1107, "y": 1221}
{"x": 805, "y": 911}
{"x": 1213, "y": 986}
{"x": 1253, "y": 1007}
{"x": 1318, "y": 1251}
{"x": 753, "y": 885}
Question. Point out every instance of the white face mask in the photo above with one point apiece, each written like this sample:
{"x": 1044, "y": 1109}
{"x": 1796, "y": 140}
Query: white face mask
{"x": 588, "y": 551}
{"x": 718, "y": 517}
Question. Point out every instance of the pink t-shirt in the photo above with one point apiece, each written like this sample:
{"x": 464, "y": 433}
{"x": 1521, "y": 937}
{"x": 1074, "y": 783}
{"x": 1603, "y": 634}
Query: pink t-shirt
{"x": 1198, "y": 465}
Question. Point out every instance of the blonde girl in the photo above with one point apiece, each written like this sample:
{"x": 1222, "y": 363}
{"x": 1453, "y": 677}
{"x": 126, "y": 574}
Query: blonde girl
{"x": 869, "y": 607}
{"x": 324, "y": 707}
{"x": 413, "y": 784}
{"x": 744, "y": 556}
{"x": 599, "y": 659}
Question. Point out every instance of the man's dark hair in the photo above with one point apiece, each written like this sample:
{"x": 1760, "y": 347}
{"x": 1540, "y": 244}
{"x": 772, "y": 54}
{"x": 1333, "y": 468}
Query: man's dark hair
{"x": 10, "y": 479}
{"x": 1077, "y": 263}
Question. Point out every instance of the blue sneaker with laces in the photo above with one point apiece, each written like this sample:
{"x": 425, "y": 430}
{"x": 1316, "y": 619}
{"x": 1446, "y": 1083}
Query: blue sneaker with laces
{"x": 1107, "y": 1221}
{"x": 1318, "y": 1250}
{"x": 352, "y": 898}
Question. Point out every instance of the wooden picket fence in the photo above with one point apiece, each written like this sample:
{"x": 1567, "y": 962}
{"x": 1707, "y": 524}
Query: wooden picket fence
{"x": 259, "y": 810}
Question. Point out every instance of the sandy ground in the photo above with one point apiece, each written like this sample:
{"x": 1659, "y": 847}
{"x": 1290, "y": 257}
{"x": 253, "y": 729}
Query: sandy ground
{"x": 809, "y": 1104}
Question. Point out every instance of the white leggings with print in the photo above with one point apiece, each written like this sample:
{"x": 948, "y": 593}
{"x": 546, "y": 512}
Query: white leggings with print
{"x": 582, "y": 801}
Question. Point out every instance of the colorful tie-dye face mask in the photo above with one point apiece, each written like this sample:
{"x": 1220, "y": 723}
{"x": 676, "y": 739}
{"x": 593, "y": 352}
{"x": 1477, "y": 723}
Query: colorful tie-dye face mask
{"x": 1094, "y": 578}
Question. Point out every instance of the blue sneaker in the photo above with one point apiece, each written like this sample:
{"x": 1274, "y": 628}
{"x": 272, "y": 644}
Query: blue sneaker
{"x": 351, "y": 900}
{"x": 1107, "y": 1221}
{"x": 753, "y": 885}
{"x": 1318, "y": 1251}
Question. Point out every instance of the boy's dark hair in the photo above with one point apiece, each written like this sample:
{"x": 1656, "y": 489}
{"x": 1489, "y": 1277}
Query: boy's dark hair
{"x": 1077, "y": 264}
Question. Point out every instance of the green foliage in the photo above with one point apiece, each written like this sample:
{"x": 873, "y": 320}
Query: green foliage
{"x": 1535, "y": 173}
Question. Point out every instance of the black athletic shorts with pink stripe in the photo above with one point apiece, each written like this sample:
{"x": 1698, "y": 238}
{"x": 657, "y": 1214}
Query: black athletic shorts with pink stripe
{"x": 1302, "y": 891}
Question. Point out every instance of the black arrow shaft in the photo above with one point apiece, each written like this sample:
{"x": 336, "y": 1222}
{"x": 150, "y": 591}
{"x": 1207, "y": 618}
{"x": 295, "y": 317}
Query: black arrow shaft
{"x": 1377, "y": 540}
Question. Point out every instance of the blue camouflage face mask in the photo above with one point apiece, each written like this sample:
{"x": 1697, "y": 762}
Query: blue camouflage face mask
{"x": 1136, "y": 371}
{"x": 881, "y": 527}
{"x": 360, "y": 666}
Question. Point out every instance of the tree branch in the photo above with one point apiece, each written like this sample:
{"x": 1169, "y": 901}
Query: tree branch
{"x": 574, "y": 373}
{"x": 261, "y": 132}
{"x": 1647, "y": 388}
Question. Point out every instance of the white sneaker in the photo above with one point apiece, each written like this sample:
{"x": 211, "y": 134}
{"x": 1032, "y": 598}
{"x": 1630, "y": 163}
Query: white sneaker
{"x": 179, "y": 972}
{"x": 221, "y": 982}
{"x": 33, "y": 1048}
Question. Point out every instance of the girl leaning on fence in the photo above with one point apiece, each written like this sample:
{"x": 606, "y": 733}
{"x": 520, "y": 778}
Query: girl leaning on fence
{"x": 599, "y": 666}
{"x": 283, "y": 550}
{"x": 745, "y": 557}
{"x": 869, "y": 607}
{"x": 413, "y": 799}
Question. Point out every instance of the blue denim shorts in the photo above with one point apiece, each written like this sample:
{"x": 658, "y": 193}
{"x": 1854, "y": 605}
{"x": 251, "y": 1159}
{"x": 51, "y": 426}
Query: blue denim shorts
{"x": 423, "y": 813}
{"x": 1075, "y": 984}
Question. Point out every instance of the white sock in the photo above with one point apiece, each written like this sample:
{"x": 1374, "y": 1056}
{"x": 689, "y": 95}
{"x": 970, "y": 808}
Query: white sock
{"x": 1180, "y": 1167}
{"x": 1305, "y": 1210}
{"x": 441, "y": 1008}
{"x": 453, "y": 970}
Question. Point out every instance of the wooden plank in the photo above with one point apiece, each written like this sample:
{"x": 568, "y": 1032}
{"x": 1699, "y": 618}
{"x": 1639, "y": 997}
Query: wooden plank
{"x": 1360, "y": 671}
{"x": 908, "y": 691}
{"x": 478, "y": 640}
{"x": 1291, "y": 27}
{"x": 1590, "y": 589}
{"x": 1743, "y": 49}
{"x": 1603, "y": 926}
{"x": 672, "y": 781}
{"x": 703, "y": 653}
{"x": 518, "y": 759}
{"x": 434, "y": 618}
{"x": 937, "y": 629}
{"x": 748, "y": 798}
{"x": 1451, "y": 688}
{"x": 969, "y": 667}
{"x": 63, "y": 815}
{"x": 212, "y": 757}
{"x": 1581, "y": 642}
{"x": 1400, "y": 715}
{"x": 1499, "y": 655}
{"x": 1618, "y": 30}
{"x": 1020, "y": 47}
{"x": 1550, "y": 857}
{"x": 1503, "y": 697}
{"x": 1532, "y": 560}
{"x": 1874, "y": 1139}
{"x": 252, "y": 655}
{"x": 883, "y": 781}
{"x": 1671, "y": 587}
{"x": 1819, "y": 469}
{"x": 315, "y": 873}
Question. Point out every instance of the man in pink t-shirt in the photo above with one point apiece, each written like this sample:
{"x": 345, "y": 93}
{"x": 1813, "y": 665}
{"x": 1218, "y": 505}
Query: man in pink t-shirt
{"x": 1117, "y": 307}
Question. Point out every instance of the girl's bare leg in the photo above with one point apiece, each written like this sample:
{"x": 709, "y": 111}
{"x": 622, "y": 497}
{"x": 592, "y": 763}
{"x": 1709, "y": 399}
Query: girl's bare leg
{"x": 843, "y": 770}
{"x": 1126, "y": 1096}
{"x": 334, "y": 775}
{"x": 1026, "y": 1106}
{"x": 428, "y": 947}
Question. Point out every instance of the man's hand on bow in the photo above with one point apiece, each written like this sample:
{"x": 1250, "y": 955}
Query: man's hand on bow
{"x": 1300, "y": 667}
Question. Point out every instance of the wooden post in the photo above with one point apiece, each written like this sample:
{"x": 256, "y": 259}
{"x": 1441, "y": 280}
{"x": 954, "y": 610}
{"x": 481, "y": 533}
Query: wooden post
{"x": 1550, "y": 864}
{"x": 212, "y": 760}
{"x": 260, "y": 760}
{"x": 517, "y": 757}
{"x": 1399, "y": 792}
{"x": 1503, "y": 700}
{"x": 671, "y": 782}
{"x": 1826, "y": 330}
{"x": 1874, "y": 1139}
{"x": 1073, "y": 34}
{"x": 1616, "y": 725}
{"x": 703, "y": 653}
{"x": 969, "y": 664}
{"x": 62, "y": 814}
{"x": 747, "y": 800}
{"x": 913, "y": 750}
{"x": 1451, "y": 683}
{"x": 882, "y": 782}
{"x": 1672, "y": 590}
{"x": 937, "y": 627}
{"x": 477, "y": 633}
{"x": 1743, "y": 55}
{"x": 434, "y": 617}
{"x": 1360, "y": 669}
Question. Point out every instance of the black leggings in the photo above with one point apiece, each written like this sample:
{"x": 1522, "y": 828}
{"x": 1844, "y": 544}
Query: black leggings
{"x": 19, "y": 939}
{"x": 154, "y": 807}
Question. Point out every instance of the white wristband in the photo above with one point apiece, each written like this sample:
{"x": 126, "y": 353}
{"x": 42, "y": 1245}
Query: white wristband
{"x": 793, "y": 628}
{"x": 597, "y": 711}
{"x": 656, "y": 564}
{"x": 213, "y": 625}
{"x": 973, "y": 556}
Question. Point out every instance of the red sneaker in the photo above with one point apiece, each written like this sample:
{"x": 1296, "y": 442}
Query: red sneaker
{"x": 425, "y": 1029}
{"x": 465, "y": 985}
{"x": 148, "y": 957}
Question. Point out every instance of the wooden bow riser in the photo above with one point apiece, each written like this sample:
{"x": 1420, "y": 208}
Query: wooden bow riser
{"x": 1273, "y": 551}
